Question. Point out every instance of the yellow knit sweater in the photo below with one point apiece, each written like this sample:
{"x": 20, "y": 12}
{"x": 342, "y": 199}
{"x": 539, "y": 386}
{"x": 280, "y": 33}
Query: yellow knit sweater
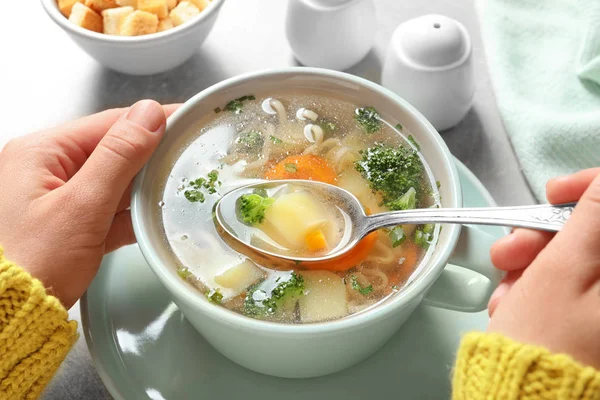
{"x": 35, "y": 337}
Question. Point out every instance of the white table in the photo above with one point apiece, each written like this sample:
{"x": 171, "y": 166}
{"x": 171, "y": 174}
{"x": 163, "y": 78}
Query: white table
{"x": 46, "y": 79}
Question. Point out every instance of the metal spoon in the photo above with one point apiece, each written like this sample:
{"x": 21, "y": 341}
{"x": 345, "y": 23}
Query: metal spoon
{"x": 541, "y": 217}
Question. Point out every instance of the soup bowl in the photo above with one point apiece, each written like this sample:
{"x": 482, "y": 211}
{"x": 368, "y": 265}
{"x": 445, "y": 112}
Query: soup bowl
{"x": 308, "y": 350}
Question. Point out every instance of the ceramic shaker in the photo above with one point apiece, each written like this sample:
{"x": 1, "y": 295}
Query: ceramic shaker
{"x": 334, "y": 34}
{"x": 429, "y": 64}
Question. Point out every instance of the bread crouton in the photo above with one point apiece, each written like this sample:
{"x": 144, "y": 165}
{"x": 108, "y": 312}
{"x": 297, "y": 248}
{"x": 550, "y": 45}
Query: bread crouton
{"x": 114, "y": 18}
{"x": 127, "y": 3}
{"x": 65, "y": 6}
{"x": 156, "y": 7}
{"x": 184, "y": 12}
{"x": 164, "y": 24}
{"x": 100, "y": 5}
{"x": 139, "y": 23}
{"x": 171, "y": 4}
{"x": 201, "y": 4}
{"x": 86, "y": 18}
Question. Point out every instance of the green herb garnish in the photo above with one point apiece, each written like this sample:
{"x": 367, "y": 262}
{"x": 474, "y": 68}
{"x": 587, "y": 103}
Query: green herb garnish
{"x": 438, "y": 184}
{"x": 217, "y": 110}
{"x": 195, "y": 195}
{"x": 237, "y": 104}
{"x": 422, "y": 239}
{"x": 414, "y": 142}
{"x": 369, "y": 119}
{"x": 275, "y": 140}
{"x": 397, "y": 236}
{"x": 363, "y": 290}
{"x": 214, "y": 296}
{"x": 291, "y": 167}
{"x": 250, "y": 142}
{"x": 398, "y": 126}
{"x": 183, "y": 273}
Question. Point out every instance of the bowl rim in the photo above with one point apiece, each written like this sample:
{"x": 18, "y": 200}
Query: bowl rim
{"x": 191, "y": 296}
{"x": 51, "y": 8}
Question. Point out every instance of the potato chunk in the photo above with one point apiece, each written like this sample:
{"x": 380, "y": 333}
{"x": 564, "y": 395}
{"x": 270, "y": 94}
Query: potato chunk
{"x": 86, "y": 18}
{"x": 293, "y": 216}
{"x": 65, "y": 6}
{"x": 201, "y": 4}
{"x": 240, "y": 277}
{"x": 164, "y": 24}
{"x": 325, "y": 297}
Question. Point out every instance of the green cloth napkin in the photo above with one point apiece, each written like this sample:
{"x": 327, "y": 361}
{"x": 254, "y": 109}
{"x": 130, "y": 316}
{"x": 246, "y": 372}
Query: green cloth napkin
{"x": 544, "y": 60}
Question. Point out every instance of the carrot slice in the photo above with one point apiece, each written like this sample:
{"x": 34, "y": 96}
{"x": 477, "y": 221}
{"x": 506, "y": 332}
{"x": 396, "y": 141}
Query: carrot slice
{"x": 400, "y": 274}
{"x": 307, "y": 166}
{"x": 348, "y": 260}
{"x": 315, "y": 241}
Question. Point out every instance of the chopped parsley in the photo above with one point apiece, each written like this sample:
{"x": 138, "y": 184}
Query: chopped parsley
{"x": 214, "y": 296}
{"x": 412, "y": 140}
{"x": 291, "y": 167}
{"x": 236, "y": 105}
{"x": 195, "y": 194}
{"x": 369, "y": 119}
{"x": 397, "y": 236}
{"x": 363, "y": 290}
{"x": 217, "y": 110}
{"x": 183, "y": 272}
{"x": 251, "y": 141}
{"x": 438, "y": 184}
{"x": 398, "y": 126}
{"x": 327, "y": 126}
{"x": 275, "y": 140}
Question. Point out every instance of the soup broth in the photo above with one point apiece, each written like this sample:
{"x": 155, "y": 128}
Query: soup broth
{"x": 296, "y": 136}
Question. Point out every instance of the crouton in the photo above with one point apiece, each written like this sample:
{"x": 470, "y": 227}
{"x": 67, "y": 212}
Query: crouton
{"x": 184, "y": 12}
{"x": 139, "y": 23}
{"x": 65, "y": 6}
{"x": 156, "y": 7}
{"x": 86, "y": 18}
{"x": 164, "y": 24}
{"x": 201, "y": 4}
{"x": 100, "y": 5}
{"x": 127, "y": 3}
{"x": 114, "y": 18}
{"x": 171, "y": 4}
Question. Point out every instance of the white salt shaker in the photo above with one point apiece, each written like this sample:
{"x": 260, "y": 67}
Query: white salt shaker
{"x": 429, "y": 64}
{"x": 334, "y": 34}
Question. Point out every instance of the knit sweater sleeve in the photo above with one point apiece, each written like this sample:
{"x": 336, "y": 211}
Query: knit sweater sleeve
{"x": 491, "y": 366}
{"x": 35, "y": 335}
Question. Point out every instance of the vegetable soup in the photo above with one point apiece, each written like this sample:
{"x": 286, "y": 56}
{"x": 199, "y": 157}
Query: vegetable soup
{"x": 299, "y": 135}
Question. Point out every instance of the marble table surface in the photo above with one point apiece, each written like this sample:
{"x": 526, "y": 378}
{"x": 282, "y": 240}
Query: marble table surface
{"x": 46, "y": 79}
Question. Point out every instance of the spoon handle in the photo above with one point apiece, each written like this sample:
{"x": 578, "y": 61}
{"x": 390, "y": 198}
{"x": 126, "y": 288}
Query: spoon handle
{"x": 542, "y": 217}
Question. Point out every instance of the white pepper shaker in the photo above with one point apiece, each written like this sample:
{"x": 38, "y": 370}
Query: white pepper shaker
{"x": 334, "y": 34}
{"x": 429, "y": 64}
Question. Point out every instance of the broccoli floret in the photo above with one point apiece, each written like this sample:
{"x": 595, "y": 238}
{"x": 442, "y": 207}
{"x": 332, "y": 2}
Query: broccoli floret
{"x": 369, "y": 119}
{"x": 392, "y": 171}
{"x": 397, "y": 236}
{"x": 251, "y": 208}
{"x": 408, "y": 201}
{"x": 262, "y": 303}
{"x": 251, "y": 141}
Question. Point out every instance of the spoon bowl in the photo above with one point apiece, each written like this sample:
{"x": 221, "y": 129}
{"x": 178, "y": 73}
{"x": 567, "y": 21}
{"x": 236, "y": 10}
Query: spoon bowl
{"x": 357, "y": 224}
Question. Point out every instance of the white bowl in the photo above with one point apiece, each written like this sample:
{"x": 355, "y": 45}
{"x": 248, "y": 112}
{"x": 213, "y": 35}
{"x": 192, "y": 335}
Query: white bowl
{"x": 308, "y": 350}
{"x": 141, "y": 55}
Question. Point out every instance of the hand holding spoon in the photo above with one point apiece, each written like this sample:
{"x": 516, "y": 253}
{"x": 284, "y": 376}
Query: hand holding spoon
{"x": 358, "y": 224}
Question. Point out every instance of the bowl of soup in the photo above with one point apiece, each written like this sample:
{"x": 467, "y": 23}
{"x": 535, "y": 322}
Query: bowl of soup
{"x": 283, "y": 317}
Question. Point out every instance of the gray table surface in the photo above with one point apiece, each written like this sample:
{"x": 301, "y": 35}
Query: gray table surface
{"x": 46, "y": 79}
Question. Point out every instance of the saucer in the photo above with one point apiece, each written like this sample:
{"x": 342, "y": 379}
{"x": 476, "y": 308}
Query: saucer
{"x": 144, "y": 348}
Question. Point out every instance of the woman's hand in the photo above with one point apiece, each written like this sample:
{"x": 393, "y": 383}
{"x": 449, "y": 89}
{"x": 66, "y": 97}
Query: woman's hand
{"x": 551, "y": 294}
{"x": 65, "y": 193}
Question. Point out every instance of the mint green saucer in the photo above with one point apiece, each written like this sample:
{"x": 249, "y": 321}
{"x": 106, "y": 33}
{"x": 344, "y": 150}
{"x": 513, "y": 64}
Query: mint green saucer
{"x": 144, "y": 348}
